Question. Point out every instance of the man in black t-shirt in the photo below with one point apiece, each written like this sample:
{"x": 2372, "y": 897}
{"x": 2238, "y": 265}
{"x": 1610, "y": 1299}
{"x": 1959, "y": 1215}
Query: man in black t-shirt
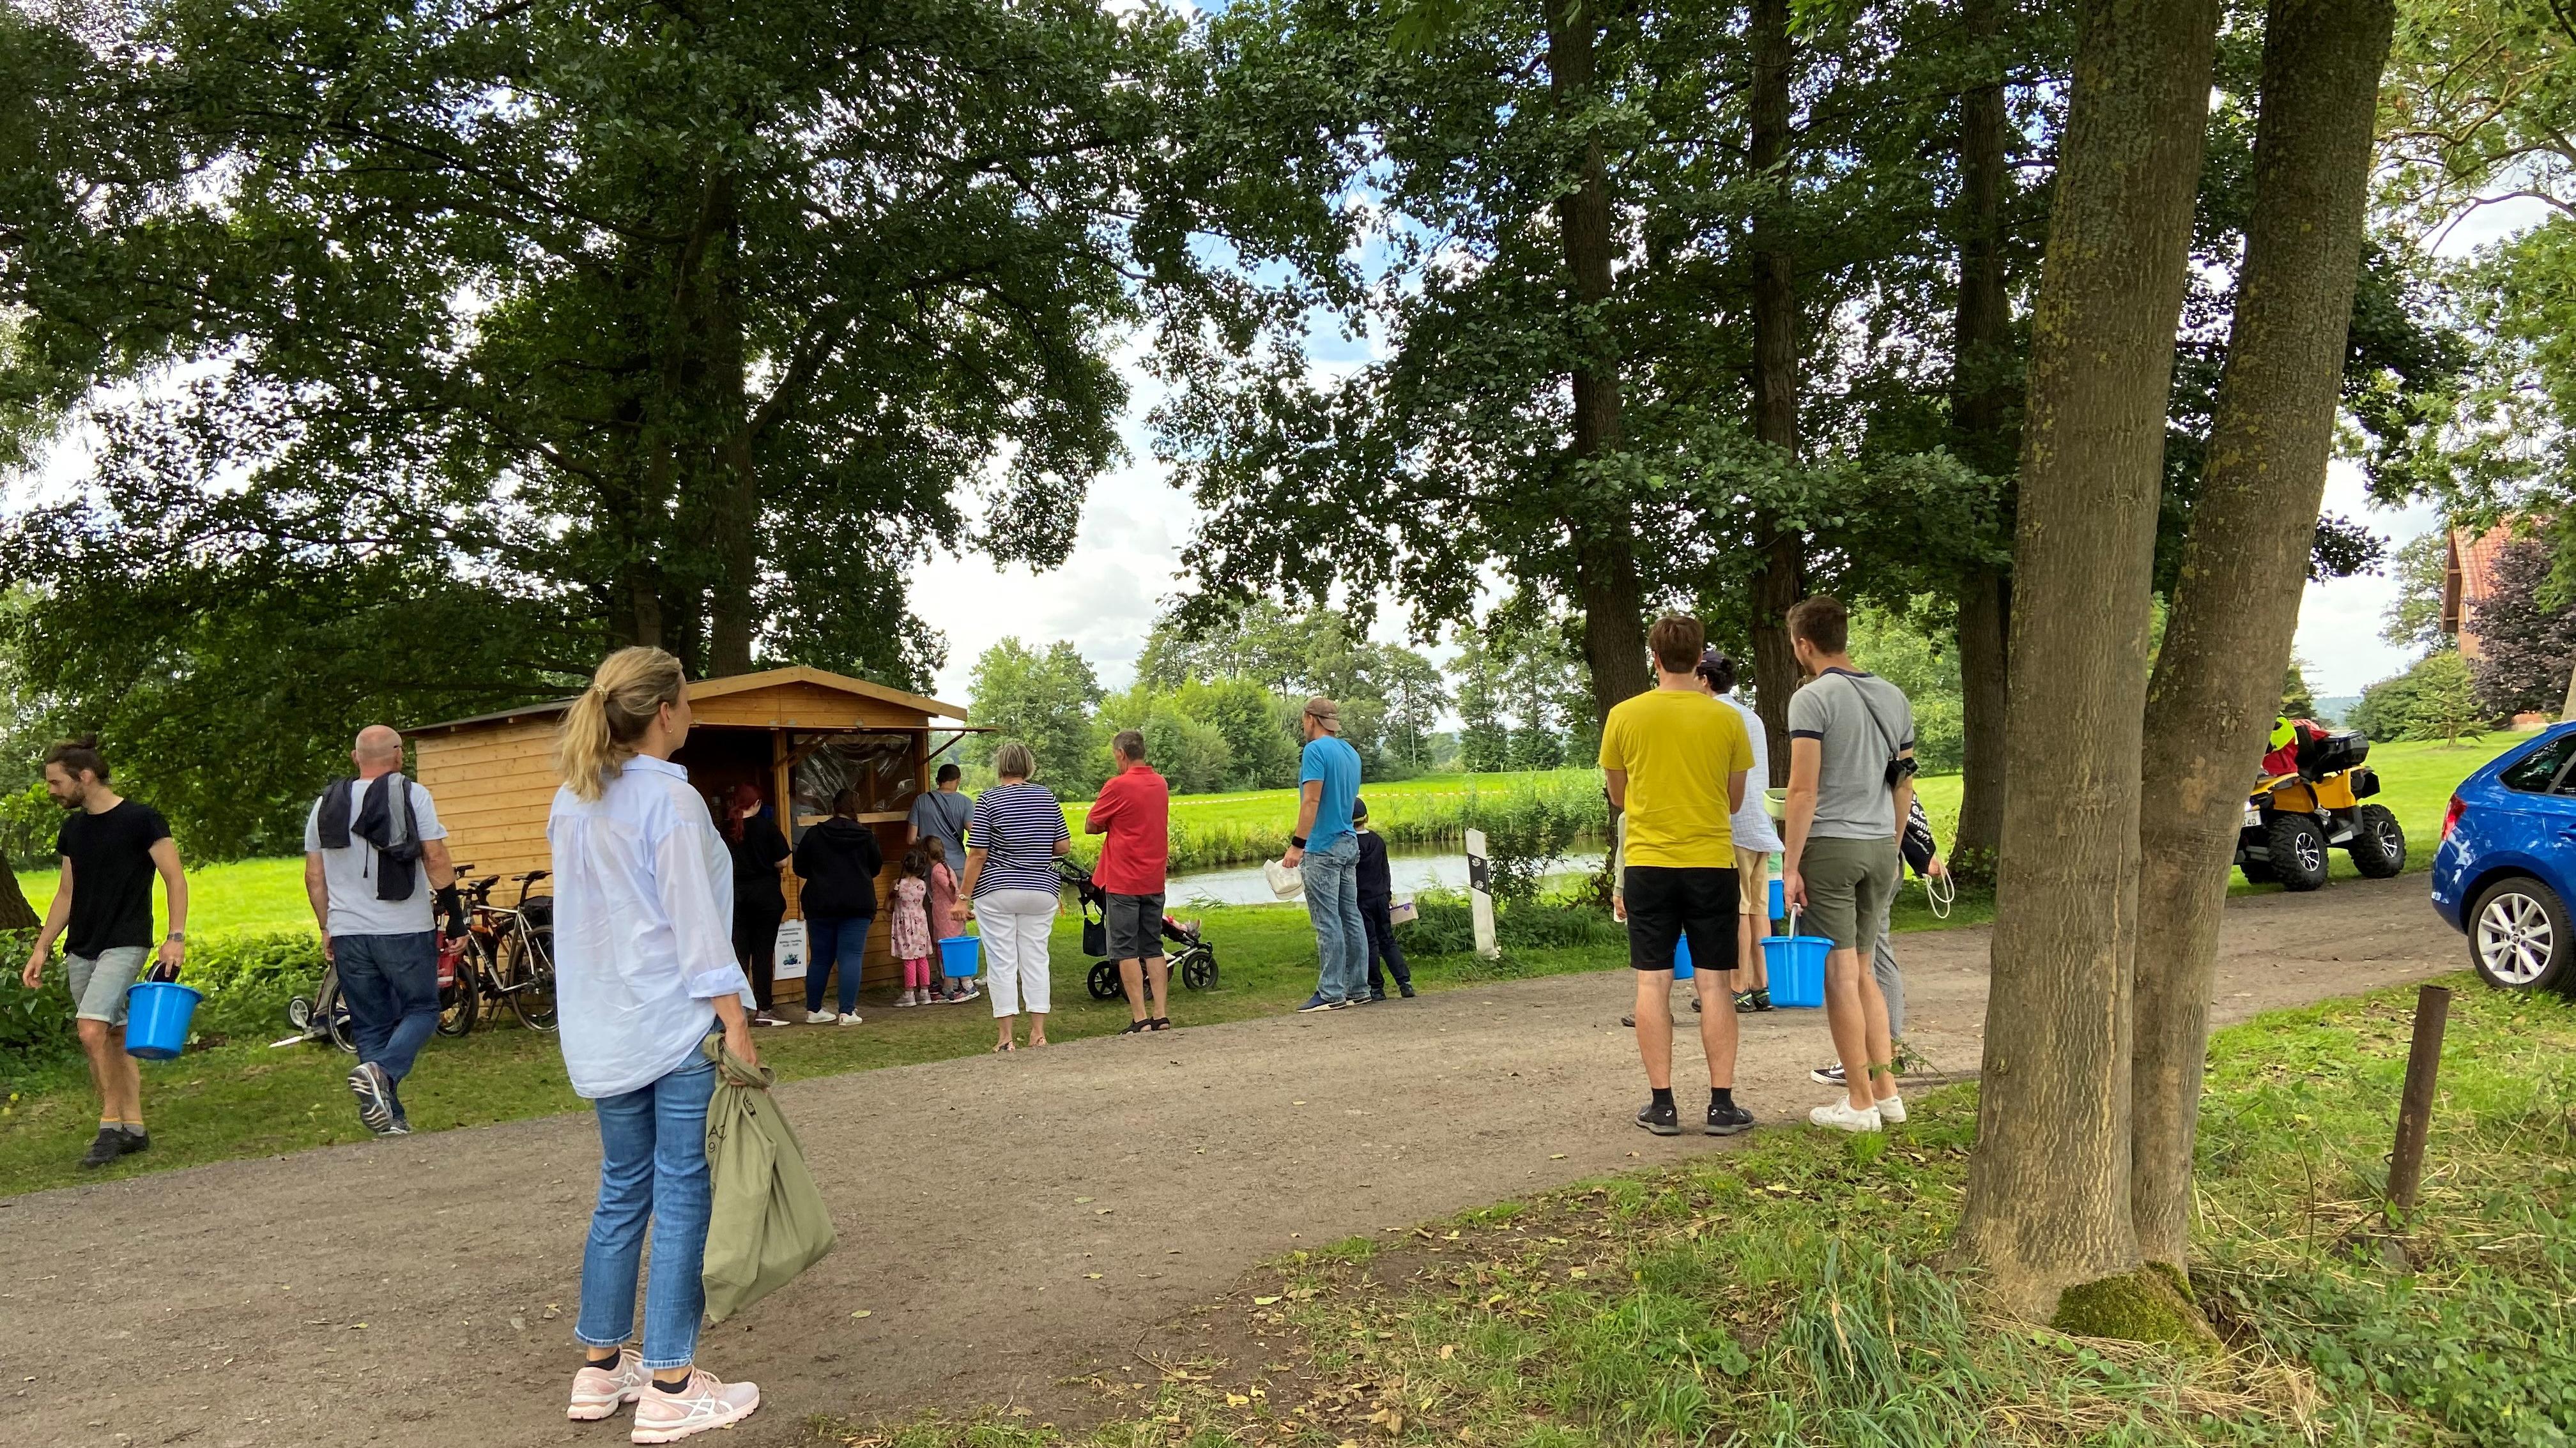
{"x": 110, "y": 847}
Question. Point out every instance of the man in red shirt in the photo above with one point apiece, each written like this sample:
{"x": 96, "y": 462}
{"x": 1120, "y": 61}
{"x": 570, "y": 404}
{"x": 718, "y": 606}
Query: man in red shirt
{"x": 1135, "y": 811}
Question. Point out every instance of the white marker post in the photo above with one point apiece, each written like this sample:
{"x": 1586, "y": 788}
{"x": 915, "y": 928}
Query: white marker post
{"x": 1480, "y": 895}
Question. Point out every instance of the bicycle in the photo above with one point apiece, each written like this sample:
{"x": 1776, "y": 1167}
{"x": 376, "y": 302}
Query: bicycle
{"x": 507, "y": 953}
{"x": 321, "y": 1017}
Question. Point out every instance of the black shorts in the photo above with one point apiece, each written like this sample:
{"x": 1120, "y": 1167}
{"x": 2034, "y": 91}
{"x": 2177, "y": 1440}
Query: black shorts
{"x": 1666, "y": 903}
{"x": 1135, "y": 926}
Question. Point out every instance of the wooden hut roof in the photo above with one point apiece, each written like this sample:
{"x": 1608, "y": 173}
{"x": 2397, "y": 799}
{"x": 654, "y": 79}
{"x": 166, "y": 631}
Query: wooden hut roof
{"x": 717, "y": 688}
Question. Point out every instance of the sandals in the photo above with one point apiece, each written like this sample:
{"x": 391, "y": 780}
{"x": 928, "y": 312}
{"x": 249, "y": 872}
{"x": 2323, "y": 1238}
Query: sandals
{"x": 1159, "y": 1023}
{"x": 1137, "y": 1028}
{"x": 1004, "y": 1049}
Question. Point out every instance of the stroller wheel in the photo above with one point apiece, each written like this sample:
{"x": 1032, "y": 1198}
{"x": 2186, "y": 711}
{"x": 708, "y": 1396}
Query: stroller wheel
{"x": 1198, "y": 972}
{"x": 1104, "y": 980}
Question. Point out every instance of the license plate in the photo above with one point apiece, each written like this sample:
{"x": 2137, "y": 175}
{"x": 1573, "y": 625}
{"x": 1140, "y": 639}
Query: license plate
{"x": 2253, "y": 818}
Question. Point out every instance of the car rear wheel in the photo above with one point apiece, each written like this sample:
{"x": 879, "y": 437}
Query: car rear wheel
{"x": 2519, "y": 937}
{"x": 2298, "y": 852}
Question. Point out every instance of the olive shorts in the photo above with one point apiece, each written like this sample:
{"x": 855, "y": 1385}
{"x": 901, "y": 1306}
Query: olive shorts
{"x": 1850, "y": 886}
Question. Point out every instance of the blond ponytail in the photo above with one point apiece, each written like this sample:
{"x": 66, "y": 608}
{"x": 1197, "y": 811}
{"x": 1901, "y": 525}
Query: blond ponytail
{"x": 598, "y": 733}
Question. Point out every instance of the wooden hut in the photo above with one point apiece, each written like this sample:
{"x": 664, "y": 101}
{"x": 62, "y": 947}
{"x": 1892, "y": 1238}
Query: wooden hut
{"x": 797, "y": 735}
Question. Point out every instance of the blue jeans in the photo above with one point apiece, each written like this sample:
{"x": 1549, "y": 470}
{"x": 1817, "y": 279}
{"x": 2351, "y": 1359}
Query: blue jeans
{"x": 391, "y": 985}
{"x": 652, "y": 1168}
{"x": 1332, "y": 877}
{"x": 829, "y": 938}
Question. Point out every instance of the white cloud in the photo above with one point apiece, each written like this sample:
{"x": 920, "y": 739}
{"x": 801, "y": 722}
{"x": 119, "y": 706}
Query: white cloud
{"x": 2340, "y": 619}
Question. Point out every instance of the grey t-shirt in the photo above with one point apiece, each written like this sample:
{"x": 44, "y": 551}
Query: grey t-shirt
{"x": 351, "y": 873}
{"x": 941, "y": 815}
{"x": 1836, "y": 710}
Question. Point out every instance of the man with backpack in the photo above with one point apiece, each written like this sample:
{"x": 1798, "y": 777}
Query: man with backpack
{"x": 1851, "y": 787}
{"x": 367, "y": 843}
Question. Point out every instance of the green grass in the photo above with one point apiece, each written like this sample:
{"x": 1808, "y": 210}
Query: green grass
{"x": 1795, "y": 1293}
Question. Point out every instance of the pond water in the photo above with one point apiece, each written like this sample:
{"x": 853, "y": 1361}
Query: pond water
{"x": 1411, "y": 869}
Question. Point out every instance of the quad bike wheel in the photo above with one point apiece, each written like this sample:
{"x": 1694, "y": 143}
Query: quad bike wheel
{"x": 1103, "y": 982}
{"x": 2298, "y": 852}
{"x": 2378, "y": 847}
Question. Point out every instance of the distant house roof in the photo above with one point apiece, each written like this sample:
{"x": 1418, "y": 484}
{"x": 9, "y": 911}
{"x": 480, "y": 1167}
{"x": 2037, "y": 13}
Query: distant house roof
{"x": 2468, "y": 578}
{"x": 716, "y": 688}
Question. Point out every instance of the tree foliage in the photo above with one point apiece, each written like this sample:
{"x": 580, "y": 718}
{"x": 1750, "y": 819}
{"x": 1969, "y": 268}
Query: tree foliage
{"x": 2526, "y": 647}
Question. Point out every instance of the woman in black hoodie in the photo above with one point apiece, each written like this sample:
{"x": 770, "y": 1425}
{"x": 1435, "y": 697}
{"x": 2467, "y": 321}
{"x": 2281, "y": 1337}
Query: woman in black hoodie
{"x": 838, "y": 860}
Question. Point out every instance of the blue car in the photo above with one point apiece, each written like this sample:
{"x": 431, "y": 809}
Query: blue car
{"x": 2507, "y": 865}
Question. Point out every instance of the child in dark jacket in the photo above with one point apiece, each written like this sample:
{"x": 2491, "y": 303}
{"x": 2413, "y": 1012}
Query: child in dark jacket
{"x": 1377, "y": 900}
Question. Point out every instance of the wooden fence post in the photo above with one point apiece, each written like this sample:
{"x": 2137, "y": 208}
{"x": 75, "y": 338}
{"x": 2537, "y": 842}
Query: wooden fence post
{"x": 2415, "y": 1110}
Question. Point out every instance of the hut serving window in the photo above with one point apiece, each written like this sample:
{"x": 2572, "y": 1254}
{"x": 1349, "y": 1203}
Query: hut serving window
{"x": 879, "y": 766}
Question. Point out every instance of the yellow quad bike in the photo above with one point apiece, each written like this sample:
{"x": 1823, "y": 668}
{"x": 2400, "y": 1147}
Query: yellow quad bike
{"x": 2292, "y": 820}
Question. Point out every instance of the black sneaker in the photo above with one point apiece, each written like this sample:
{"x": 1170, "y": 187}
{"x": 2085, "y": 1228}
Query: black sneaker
{"x": 1660, "y": 1118}
{"x": 375, "y": 1095}
{"x": 1828, "y": 1075}
{"x": 1377, "y": 997}
{"x": 399, "y": 1128}
{"x": 1728, "y": 1120}
{"x": 1749, "y": 1001}
{"x": 136, "y": 1139}
{"x": 1407, "y": 988}
{"x": 106, "y": 1147}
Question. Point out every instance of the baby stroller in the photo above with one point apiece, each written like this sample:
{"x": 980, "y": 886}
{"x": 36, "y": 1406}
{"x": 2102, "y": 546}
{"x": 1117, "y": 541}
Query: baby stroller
{"x": 1193, "y": 964}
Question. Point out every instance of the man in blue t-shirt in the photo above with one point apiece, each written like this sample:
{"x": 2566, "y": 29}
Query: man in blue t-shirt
{"x": 1327, "y": 852}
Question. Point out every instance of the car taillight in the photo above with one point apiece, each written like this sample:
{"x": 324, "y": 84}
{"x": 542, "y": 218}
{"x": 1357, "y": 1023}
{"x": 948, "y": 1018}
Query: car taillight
{"x": 2452, "y": 815}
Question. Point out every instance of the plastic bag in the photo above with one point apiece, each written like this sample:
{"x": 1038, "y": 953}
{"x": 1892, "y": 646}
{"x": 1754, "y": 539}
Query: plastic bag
{"x": 769, "y": 1223}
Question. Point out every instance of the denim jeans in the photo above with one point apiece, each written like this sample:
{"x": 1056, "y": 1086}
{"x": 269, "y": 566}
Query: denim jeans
{"x": 1332, "y": 877}
{"x": 652, "y": 1168}
{"x": 829, "y": 938}
{"x": 391, "y": 985}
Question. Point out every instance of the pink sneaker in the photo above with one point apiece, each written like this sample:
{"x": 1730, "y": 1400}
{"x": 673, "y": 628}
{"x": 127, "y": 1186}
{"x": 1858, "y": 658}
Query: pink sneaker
{"x": 599, "y": 1392}
{"x": 662, "y": 1417}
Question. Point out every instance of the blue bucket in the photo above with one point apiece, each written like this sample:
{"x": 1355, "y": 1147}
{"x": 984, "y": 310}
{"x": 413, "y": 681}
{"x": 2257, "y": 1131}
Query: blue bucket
{"x": 1681, "y": 958}
{"x": 960, "y": 956}
{"x": 1779, "y": 900}
{"x": 1797, "y": 965}
{"x": 157, "y": 1013}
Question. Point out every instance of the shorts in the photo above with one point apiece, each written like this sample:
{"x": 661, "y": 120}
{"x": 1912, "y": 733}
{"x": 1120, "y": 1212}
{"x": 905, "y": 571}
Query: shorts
{"x": 1668, "y": 903}
{"x": 1135, "y": 926}
{"x": 1753, "y": 874}
{"x": 1850, "y": 886}
{"x": 99, "y": 985}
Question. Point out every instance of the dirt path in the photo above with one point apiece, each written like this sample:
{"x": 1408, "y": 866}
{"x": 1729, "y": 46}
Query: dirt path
{"x": 418, "y": 1292}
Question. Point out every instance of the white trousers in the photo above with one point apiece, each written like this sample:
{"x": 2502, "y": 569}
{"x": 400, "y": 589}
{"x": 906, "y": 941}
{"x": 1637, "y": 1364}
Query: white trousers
{"x": 1016, "y": 924}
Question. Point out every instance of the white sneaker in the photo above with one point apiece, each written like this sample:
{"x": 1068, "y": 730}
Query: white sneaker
{"x": 662, "y": 1417}
{"x": 599, "y": 1392}
{"x": 820, "y": 1018}
{"x": 1841, "y": 1117}
{"x": 849, "y": 1018}
{"x": 908, "y": 1000}
{"x": 1891, "y": 1110}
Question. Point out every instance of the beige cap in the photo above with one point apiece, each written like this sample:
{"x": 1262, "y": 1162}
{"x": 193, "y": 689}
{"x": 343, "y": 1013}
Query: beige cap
{"x": 1325, "y": 712}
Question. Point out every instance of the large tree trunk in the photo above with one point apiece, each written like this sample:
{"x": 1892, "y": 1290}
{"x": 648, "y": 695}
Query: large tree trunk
{"x": 1606, "y": 583}
{"x": 1981, "y": 384}
{"x": 2244, "y": 563}
{"x": 733, "y": 507}
{"x": 1782, "y": 580}
{"x": 2048, "y": 1186}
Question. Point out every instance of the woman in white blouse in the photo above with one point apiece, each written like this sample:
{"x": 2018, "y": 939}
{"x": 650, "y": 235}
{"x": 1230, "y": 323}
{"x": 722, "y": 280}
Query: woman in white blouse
{"x": 644, "y": 970}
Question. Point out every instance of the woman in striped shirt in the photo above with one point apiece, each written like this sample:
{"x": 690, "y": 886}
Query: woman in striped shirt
{"x": 1013, "y": 838}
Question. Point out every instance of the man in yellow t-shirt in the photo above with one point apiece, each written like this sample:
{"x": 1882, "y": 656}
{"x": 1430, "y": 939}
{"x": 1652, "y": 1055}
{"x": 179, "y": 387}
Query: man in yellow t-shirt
{"x": 1676, "y": 761}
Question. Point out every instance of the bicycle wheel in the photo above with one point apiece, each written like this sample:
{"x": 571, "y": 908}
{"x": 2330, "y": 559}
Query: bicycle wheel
{"x": 333, "y": 1012}
{"x": 461, "y": 999}
{"x": 528, "y": 973}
